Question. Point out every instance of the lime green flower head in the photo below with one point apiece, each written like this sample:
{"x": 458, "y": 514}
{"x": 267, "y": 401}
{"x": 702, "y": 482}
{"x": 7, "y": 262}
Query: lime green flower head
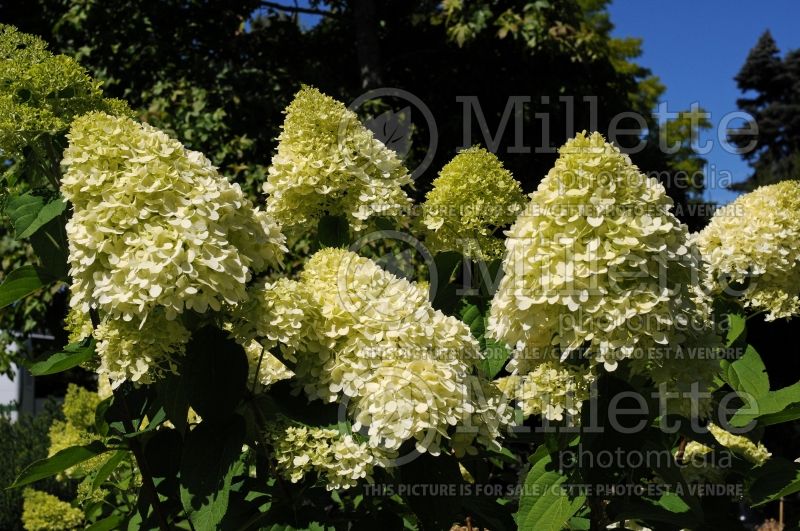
{"x": 44, "y": 512}
{"x": 154, "y": 224}
{"x": 755, "y": 241}
{"x": 597, "y": 265}
{"x": 328, "y": 163}
{"x": 77, "y": 428}
{"x": 472, "y": 199}
{"x": 41, "y": 93}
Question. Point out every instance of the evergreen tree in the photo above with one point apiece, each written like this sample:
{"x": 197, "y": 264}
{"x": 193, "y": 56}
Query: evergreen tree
{"x": 774, "y": 106}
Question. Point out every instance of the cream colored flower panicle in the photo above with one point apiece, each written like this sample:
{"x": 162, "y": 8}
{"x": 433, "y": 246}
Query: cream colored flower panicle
{"x": 329, "y": 163}
{"x": 141, "y": 353}
{"x": 154, "y": 224}
{"x": 755, "y": 242}
{"x": 276, "y": 314}
{"x": 756, "y": 453}
{"x": 78, "y": 324}
{"x": 473, "y": 198}
{"x": 265, "y": 368}
{"x": 338, "y": 459}
{"x": 551, "y": 390}
{"x": 374, "y": 341}
{"x": 596, "y": 265}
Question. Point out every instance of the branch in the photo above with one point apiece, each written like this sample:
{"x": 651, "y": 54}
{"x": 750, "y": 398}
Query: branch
{"x": 298, "y": 9}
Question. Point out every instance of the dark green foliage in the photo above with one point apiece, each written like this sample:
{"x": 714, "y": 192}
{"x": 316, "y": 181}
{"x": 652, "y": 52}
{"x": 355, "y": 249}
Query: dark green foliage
{"x": 21, "y": 443}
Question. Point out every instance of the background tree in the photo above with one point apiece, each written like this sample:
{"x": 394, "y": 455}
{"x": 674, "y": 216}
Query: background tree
{"x": 772, "y": 88}
{"x": 218, "y": 74}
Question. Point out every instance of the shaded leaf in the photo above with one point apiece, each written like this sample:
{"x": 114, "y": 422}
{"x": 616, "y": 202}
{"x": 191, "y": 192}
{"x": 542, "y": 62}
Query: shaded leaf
{"x": 210, "y": 461}
{"x": 47, "y": 213}
{"x": 73, "y": 355}
{"x": 217, "y": 376}
{"x": 776, "y": 478}
{"x": 59, "y": 462}
{"x": 20, "y": 283}
{"x": 543, "y": 506}
{"x": 333, "y": 231}
{"x": 107, "y": 469}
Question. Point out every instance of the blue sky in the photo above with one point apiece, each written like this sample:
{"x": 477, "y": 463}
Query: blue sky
{"x": 696, "y": 47}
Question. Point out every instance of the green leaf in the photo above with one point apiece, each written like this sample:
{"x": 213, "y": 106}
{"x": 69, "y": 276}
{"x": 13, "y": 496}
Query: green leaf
{"x": 210, "y": 461}
{"x": 114, "y": 521}
{"x": 73, "y": 355}
{"x": 23, "y": 211}
{"x": 51, "y": 247}
{"x": 673, "y": 503}
{"x": 542, "y": 507}
{"x": 736, "y": 328}
{"x": 772, "y": 404}
{"x": 747, "y": 375}
{"x": 776, "y": 478}
{"x": 173, "y": 395}
{"x": 217, "y": 376}
{"x": 20, "y": 283}
{"x": 787, "y": 415}
{"x": 59, "y": 462}
{"x": 333, "y": 231}
{"x": 47, "y": 213}
{"x": 108, "y": 467}
{"x": 495, "y": 354}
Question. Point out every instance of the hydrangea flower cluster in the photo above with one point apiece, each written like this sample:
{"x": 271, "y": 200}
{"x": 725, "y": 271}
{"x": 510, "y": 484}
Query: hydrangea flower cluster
{"x": 139, "y": 352}
{"x": 360, "y": 334}
{"x": 264, "y": 367}
{"x": 551, "y": 389}
{"x": 155, "y": 225}
{"x": 755, "y": 242}
{"x": 44, "y": 512}
{"x": 755, "y": 453}
{"x": 41, "y": 93}
{"x": 700, "y": 469}
{"x": 473, "y": 197}
{"x": 77, "y": 428}
{"x": 338, "y": 459}
{"x": 402, "y": 365}
{"x": 275, "y": 314}
{"x": 329, "y": 163}
{"x": 598, "y": 266}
